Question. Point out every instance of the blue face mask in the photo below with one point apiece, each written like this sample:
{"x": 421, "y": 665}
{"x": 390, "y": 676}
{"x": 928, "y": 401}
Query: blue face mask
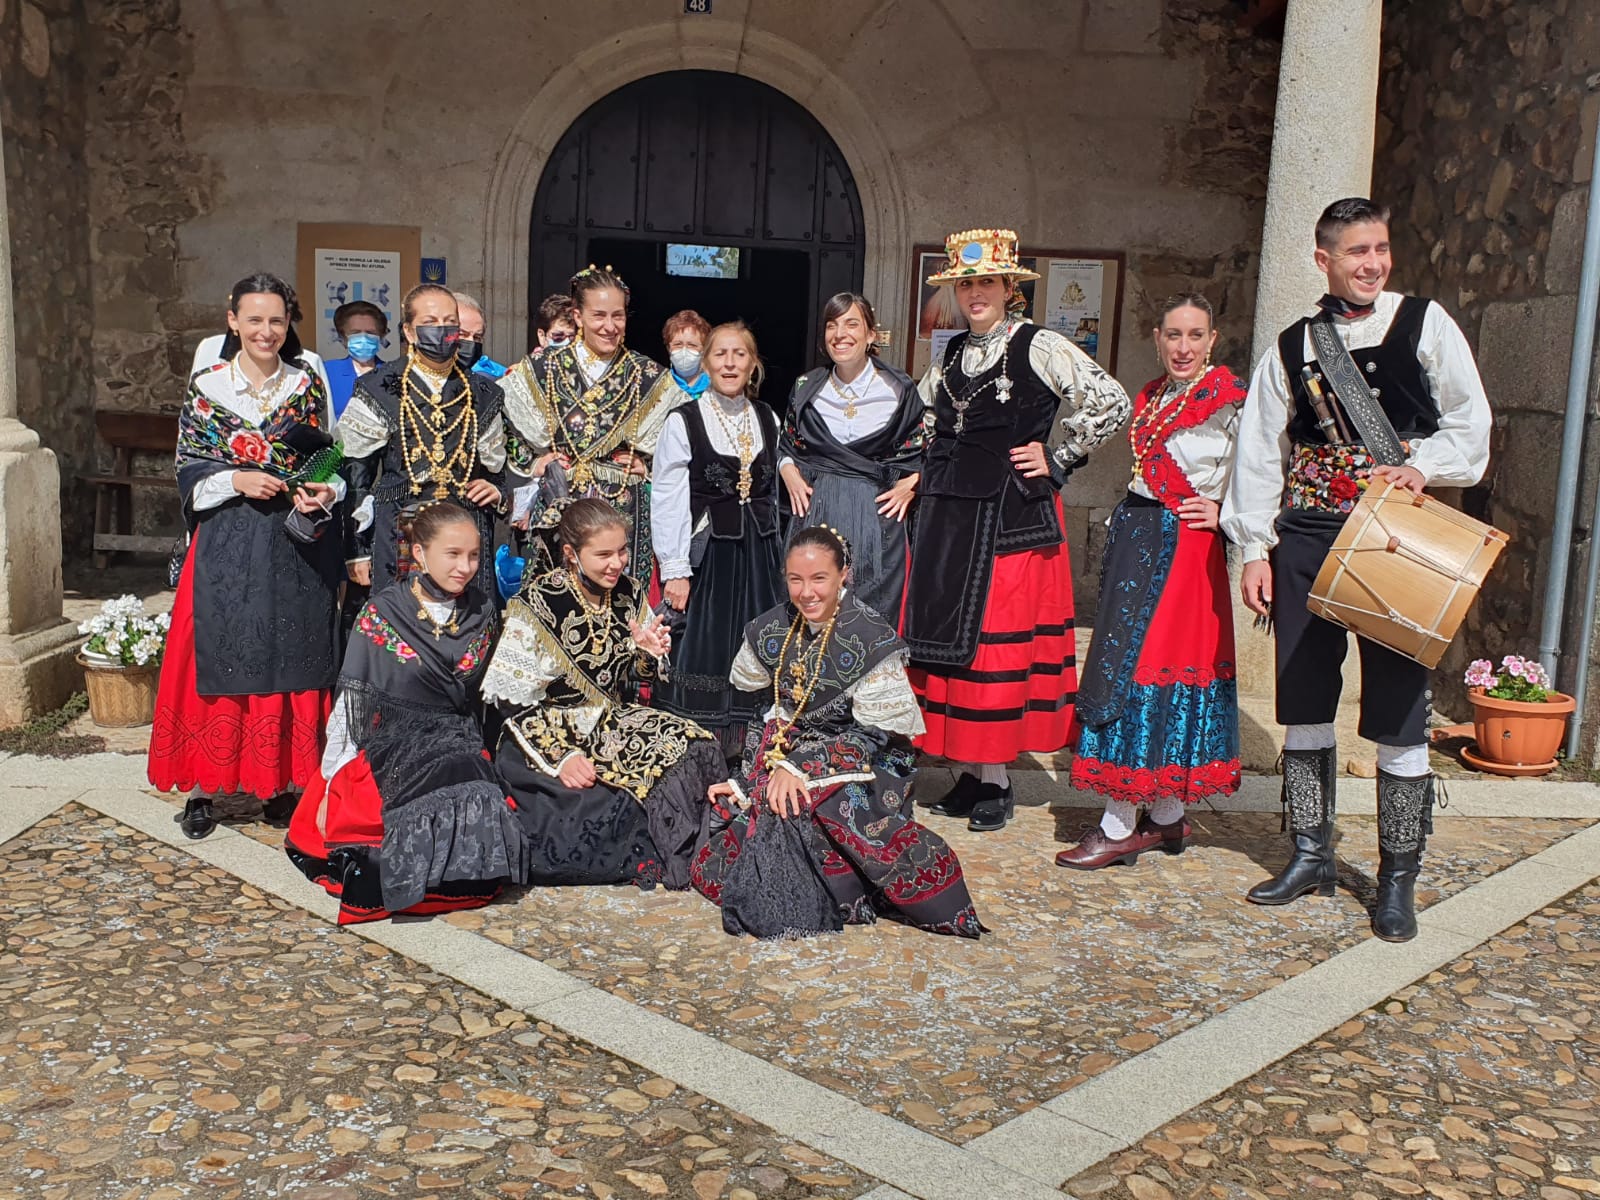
{"x": 363, "y": 347}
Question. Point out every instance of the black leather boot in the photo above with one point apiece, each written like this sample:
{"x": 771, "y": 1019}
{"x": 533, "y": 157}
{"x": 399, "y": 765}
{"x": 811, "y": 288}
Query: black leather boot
{"x": 1405, "y": 818}
{"x": 1308, "y": 802}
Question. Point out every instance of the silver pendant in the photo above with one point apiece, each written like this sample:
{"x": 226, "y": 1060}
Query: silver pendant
{"x": 1002, "y": 388}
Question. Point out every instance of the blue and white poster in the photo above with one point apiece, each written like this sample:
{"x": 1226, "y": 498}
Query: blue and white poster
{"x": 346, "y": 275}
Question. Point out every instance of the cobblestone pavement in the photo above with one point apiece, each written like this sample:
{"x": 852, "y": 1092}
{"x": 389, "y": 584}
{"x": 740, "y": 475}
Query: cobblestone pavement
{"x": 1481, "y": 1080}
{"x": 168, "y": 1032}
{"x": 1081, "y": 972}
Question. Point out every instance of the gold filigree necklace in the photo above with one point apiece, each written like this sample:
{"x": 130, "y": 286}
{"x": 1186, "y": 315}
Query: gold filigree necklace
{"x": 803, "y": 676}
{"x": 743, "y": 437}
{"x": 599, "y": 635}
{"x": 855, "y": 391}
{"x": 426, "y": 428}
{"x": 450, "y": 625}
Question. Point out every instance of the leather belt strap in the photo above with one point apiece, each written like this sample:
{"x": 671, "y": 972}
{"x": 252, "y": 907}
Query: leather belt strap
{"x": 1348, "y": 384}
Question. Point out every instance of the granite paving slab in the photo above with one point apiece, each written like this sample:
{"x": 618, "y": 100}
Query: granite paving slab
{"x": 167, "y": 1031}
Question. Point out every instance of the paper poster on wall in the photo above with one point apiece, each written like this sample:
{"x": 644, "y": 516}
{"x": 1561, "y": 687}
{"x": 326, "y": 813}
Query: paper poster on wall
{"x": 344, "y": 276}
{"x": 1068, "y": 299}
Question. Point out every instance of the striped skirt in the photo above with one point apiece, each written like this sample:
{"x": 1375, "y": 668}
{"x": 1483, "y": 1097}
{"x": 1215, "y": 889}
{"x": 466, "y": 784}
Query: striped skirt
{"x": 1017, "y": 694}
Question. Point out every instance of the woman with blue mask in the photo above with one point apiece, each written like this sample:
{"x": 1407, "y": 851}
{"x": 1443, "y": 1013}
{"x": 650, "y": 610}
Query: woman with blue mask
{"x": 684, "y": 336}
{"x": 362, "y": 328}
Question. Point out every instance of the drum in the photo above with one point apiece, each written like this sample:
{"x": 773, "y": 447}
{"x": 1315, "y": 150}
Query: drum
{"x": 1404, "y": 570}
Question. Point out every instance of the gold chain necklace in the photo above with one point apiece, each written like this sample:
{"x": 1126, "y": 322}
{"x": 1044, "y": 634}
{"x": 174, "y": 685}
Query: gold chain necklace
{"x": 589, "y": 400}
{"x": 803, "y": 682}
{"x": 599, "y": 638}
{"x": 449, "y": 626}
{"x": 743, "y": 439}
{"x": 848, "y": 391}
{"x": 425, "y": 432}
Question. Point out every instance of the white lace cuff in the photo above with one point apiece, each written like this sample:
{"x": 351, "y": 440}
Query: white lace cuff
{"x": 883, "y": 699}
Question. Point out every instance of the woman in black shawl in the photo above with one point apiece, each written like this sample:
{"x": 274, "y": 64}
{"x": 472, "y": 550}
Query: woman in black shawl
{"x": 409, "y": 816}
{"x": 851, "y": 450}
{"x": 816, "y": 832}
{"x": 608, "y": 791}
{"x": 254, "y": 645}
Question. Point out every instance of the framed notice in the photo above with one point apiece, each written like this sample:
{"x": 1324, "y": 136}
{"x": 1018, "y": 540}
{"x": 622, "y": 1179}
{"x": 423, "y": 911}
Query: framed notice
{"x": 1078, "y": 294}
{"x": 336, "y": 264}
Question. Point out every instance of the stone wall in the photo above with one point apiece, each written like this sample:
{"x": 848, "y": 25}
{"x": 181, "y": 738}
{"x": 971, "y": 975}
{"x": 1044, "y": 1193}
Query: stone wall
{"x": 1484, "y": 146}
{"x": 43, "y": 110}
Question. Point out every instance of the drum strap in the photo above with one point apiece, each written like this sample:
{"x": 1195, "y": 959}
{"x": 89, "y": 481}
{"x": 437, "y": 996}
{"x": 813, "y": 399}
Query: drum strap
{"x": 1345, "y": 378}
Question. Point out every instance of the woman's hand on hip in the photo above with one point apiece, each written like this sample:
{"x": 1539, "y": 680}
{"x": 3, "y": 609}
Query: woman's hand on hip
{"x": 1031, "y": 460}
{"x": 1199, "y": 513}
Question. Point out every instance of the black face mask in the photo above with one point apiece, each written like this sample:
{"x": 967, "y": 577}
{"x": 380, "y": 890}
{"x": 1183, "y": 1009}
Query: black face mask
{"x": 437, "y": 342}
{"x": 468, "y": 351}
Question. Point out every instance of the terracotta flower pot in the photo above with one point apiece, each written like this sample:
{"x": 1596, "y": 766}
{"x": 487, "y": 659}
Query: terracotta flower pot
{"x": 120, "y": 697}
{"x": 1513, "y": 733}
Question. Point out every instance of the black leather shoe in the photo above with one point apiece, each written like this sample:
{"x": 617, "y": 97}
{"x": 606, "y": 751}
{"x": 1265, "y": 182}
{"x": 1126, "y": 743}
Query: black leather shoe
{"x": 279, "y": 809}
{"x": 958, "y": 801}
{"x": 197, "y": 819}
{"x": 994, "y": 808}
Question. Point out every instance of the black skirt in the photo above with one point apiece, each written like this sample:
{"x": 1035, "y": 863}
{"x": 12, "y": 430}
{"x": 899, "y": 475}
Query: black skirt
{"x": 734, "y": 583}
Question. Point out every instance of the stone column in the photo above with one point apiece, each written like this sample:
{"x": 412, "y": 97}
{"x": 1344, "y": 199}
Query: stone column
{"x": 1322, "y": 140}
{"x": 37, "y": 644}
{"x": 1322, "y": 145}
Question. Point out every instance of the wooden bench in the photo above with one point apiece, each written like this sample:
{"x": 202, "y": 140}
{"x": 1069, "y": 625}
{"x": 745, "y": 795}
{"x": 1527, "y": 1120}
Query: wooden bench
{"x": 128, "y": 433}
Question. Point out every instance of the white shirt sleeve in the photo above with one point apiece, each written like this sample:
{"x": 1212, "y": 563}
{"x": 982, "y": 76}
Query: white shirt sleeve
{"x": 521, "y": 668}
{"x": 341, "y": 747}
{"x": 1458, "y": 453}
{"x": 669, "y": 500}
{"x": 747, "y": 674}
{"x": 1094, "y": 406}
{"x": 213, "y": 491}
{"x": 1260, "y": 467}
{"x": 883, "y": 699}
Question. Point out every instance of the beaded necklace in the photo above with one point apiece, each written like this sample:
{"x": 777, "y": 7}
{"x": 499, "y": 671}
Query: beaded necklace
{"x": 425, "y": 432}
{"x": 803, "y": 682}
{"x": 742, "y": 437}
{"x": 1001, "y": 383}
{"x": 1147, "y": 437}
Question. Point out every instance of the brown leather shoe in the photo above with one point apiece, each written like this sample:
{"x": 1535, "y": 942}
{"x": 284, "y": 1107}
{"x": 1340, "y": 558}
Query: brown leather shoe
{"x": 1172, "y": 837}
{"x": 1096, "y": 850}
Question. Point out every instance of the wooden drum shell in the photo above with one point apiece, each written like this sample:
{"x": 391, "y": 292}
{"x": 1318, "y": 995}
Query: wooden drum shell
{"x": 1404, "y": 570}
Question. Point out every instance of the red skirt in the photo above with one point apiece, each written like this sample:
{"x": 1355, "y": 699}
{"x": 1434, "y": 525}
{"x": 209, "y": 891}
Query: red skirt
{"x": 1178, "y": 733}
{"x": 1017, "y": 695}
{"x": 335, "y": 836}
{"x": 263, "y": 745}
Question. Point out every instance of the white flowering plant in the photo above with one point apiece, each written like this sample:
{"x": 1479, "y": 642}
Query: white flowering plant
{"x": 1520, "y": 679}
{"x": 121, "y": 631}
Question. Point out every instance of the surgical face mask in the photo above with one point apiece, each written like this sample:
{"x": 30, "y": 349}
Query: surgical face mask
{"x": 363, "y": 347}
{"x": 686, "y": 363}
{"x": 555, "y": 341}
{"x": 468, "y": 351}
{"x": 437, "y": 342}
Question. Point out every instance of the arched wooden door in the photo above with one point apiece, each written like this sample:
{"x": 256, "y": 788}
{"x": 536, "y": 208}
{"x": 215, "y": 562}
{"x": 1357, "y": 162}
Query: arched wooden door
{"x": 706, "y": 158}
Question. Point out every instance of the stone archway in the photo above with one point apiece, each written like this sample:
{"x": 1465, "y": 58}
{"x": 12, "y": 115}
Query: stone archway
{"x": 655, "y": 49}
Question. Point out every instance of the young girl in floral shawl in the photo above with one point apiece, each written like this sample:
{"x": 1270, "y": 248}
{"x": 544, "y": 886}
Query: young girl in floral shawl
{"x": 254, "y": 645}
{"x": 408, "y": 815}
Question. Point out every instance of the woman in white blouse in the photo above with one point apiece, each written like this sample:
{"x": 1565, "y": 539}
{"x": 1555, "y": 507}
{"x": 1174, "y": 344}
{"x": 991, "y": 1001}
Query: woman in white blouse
{"x": 714, "y": 525}
{"x": 1157, "y": 707}
{"x": 851, "y": 450}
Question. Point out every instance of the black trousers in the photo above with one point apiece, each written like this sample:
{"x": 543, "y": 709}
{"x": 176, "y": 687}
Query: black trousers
{"x": 1395, "y": 690}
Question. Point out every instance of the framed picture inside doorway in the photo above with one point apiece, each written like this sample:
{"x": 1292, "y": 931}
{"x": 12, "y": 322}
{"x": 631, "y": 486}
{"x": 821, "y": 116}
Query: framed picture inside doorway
{"x": 1078, "y": 294}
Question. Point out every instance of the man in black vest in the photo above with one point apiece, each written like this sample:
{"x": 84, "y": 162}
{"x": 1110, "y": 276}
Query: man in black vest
{"x": 1296, "y": 478}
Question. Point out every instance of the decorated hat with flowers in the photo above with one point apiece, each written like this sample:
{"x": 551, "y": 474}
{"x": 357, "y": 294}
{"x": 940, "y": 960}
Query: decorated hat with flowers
{"x": 975, "y": 252}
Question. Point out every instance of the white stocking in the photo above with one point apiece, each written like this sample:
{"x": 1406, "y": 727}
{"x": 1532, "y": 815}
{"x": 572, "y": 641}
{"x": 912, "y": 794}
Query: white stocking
{"x": 1119, "y": 819}
{"x": 994, "y": 773}
{"x": 1167, "y": 810}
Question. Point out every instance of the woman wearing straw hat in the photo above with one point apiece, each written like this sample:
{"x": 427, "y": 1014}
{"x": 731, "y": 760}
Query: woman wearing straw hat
{"x": 1016, "y": 409}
